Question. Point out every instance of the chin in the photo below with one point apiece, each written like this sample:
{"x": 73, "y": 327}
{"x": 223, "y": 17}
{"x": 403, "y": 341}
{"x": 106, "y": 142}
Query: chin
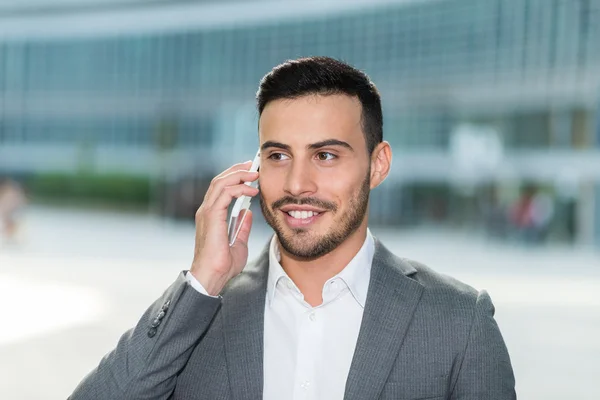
{"x": 305, "y": 244}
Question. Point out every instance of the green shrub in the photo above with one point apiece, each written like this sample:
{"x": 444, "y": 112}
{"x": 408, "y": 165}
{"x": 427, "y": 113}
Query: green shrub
{"x": 117, "y": 189}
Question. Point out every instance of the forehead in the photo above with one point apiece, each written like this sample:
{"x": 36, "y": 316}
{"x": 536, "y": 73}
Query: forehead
{"x": 312, "y": 118}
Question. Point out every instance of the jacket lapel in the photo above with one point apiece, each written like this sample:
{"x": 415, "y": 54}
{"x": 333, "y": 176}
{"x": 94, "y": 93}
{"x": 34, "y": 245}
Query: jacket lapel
{"x": 243, "y": 310}
{"x": 391, "y": 302}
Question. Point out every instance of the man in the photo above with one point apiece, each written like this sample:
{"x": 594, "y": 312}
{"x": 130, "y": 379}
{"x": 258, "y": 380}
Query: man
{"x": 326, "y": 312}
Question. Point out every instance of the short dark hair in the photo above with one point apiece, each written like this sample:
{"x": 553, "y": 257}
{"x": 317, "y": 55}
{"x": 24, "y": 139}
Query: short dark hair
{"x": 325, "y": 76}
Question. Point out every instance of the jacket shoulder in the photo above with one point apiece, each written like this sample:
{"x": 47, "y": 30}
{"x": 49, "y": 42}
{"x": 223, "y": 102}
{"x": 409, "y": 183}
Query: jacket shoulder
{"x": 443, "y": 289}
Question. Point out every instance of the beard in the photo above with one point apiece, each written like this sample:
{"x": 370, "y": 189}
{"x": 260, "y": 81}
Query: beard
{"x": 304, "y": 244}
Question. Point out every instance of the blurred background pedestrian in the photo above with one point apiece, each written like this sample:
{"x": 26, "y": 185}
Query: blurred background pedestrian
{"x": 12, "y": 202}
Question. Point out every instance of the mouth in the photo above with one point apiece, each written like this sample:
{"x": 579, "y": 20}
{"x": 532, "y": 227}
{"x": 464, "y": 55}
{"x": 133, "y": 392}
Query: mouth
{"x": 296, "y": 218}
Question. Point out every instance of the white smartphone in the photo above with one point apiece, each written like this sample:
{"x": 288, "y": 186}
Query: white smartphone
{"x": 242, "y": 204}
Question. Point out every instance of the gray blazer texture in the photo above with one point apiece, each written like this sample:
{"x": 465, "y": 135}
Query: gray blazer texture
{"x": 424, "y": 336}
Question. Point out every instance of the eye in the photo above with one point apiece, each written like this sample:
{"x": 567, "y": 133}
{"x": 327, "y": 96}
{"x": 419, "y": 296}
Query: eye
{"x": 278, "y": 157}
{"x": 326, "y": 156}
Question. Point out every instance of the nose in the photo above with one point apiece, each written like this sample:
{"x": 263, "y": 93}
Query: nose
{"x": 299, "y": 180}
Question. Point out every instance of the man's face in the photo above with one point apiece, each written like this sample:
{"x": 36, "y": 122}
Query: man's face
{"x": 315, "y": 172}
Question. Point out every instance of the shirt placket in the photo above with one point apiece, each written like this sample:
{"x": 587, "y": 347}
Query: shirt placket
{"x": 309, "y": 342}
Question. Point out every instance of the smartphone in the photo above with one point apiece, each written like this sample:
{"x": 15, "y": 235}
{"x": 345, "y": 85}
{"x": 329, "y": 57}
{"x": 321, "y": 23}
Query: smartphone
{"x": 241, "y": 205}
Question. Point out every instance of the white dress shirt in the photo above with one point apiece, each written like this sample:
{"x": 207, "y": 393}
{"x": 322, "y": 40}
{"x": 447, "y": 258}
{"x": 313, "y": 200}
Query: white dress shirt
{"x": 308, "y": 350}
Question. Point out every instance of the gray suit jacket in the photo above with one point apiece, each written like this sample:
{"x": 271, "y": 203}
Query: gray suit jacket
{"x": 424, "y": 336}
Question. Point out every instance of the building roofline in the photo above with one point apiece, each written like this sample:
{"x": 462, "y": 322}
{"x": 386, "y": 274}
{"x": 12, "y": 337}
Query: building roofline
{"x": 178, "y": 17}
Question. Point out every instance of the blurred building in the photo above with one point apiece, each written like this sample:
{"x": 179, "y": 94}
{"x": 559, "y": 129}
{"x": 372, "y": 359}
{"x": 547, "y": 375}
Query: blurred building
{"x": 478, "y": 94}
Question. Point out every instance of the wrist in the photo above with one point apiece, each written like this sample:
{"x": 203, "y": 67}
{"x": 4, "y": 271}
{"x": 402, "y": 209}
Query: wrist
{"x": 211, "y": 282}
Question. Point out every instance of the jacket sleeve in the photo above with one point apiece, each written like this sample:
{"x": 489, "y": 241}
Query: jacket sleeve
{"x": 485, "y": 371}
{"x": 147, "y": 359}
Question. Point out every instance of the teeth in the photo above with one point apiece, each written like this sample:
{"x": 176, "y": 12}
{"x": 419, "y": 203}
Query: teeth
{"x": 302, "y": 214}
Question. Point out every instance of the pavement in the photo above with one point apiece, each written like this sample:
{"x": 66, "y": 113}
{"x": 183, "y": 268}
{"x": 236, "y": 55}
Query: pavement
{"x": 75, "y": 280}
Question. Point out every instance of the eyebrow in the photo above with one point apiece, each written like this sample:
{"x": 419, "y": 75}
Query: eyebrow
{"x": 269, "y": 144}
{"x": 329, "y": 142}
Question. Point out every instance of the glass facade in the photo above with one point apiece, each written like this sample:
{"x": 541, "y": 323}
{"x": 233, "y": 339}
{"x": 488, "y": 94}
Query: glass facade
{"x": 422, "y": 56}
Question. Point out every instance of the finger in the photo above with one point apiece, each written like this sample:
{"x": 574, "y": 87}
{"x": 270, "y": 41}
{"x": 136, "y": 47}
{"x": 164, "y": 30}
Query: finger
{"x": 245, "y": 166}
{"x": 233, "y": 179}
{"x": 236, "y": 167}
{"x": 244, "y": 234}
{"x": 231, "y": 192}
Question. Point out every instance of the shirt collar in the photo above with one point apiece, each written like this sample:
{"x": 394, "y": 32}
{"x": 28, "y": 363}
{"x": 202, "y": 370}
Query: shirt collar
{"x": 276, "y": 271}
{"x": 356, "y": 274}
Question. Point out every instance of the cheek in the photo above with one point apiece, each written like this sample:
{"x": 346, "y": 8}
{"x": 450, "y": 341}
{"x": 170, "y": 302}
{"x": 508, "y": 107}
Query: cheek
{"x": 338, "y": 189}
{"x": 270, "y": 188}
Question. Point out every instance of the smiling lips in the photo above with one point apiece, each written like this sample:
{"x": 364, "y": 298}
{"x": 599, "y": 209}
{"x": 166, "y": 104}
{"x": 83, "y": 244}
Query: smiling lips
{"x": 300, "y": 216}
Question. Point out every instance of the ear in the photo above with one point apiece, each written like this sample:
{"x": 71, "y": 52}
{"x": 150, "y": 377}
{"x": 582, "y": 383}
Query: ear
{"x": 381, "y": 162}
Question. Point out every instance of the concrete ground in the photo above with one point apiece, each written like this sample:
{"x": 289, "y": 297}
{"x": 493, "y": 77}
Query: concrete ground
{"x": 76, "y": 280}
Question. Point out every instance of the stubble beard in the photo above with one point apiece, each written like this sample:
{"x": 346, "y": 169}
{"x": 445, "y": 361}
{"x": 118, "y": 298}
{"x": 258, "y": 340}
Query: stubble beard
{"x": 304, "y": 244}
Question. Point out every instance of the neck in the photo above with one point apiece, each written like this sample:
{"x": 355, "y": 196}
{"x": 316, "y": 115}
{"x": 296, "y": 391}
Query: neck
{"x": 310, "y": 275}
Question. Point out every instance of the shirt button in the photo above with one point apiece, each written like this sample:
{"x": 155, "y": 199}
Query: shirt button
{"x": 305, "y": 385}
{"x": 312, "y": 316}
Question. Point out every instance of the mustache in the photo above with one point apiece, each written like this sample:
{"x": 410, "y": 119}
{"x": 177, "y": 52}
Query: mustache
{"x": 305, "y": 201}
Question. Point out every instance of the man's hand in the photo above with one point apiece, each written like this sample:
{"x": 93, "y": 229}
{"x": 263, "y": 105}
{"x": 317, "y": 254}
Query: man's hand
{"x": 215, "y": 262}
